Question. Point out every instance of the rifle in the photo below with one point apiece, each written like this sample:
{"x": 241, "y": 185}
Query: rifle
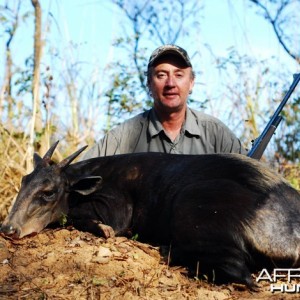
{"x": 260, "y": 144}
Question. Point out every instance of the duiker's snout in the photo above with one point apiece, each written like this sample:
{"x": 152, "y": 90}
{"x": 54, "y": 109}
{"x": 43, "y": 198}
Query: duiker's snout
{"x": 10, "y": 230}
{"x": 13, "y": 229}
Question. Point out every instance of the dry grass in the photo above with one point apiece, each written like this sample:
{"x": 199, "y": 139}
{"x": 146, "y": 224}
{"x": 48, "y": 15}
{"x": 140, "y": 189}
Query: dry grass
{"x": 12, "y": 168}
{"x": 14, "y": 164}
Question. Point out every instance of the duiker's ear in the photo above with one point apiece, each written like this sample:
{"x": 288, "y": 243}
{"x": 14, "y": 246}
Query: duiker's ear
{"x": 87, "y": 185}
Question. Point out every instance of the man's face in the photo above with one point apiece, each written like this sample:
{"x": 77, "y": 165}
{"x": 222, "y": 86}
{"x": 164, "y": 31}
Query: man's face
{"x": 170, "y": 84}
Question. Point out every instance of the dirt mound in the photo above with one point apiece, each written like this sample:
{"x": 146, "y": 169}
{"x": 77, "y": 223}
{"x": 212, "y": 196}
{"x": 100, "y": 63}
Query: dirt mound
{"x": 68, "y": 264}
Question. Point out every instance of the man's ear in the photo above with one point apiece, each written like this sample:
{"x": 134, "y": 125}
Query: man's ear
{"x": 87, "y": 185}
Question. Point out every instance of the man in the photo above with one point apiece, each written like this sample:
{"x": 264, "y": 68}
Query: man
{"x": 170, "y": 126}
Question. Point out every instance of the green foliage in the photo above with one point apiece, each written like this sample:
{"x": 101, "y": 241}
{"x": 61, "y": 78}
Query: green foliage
{"x": 24, "y": 77}
{"x": 135, "y": 237}
{"x": 289, "y": 143}
{"x": 125, "y": 95}
{"x": 63, "y": 220}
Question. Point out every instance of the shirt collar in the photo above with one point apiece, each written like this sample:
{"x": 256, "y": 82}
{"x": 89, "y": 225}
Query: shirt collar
{"x": 190, "y": 125}
{"x": 155, "y": 127}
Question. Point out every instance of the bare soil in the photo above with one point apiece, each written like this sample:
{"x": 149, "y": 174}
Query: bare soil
{"x": 69, "y": 264}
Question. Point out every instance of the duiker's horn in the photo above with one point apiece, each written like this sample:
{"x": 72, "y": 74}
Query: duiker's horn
{"x": 39, "y": 161}
{"x": 49, "y": 153}
{"x": 64, "y": 163}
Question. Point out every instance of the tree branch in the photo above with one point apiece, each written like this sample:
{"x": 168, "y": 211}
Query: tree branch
{"x": 274, "y": 22}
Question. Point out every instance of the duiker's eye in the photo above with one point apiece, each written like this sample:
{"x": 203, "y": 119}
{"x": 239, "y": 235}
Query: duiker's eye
{"x": 48, "y": 195}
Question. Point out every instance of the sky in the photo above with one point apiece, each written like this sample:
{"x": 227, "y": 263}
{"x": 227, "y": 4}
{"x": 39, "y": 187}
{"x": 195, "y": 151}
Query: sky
{"x": 95, "y": 24}
{"x": 92, "y": 25}
{"x": 225, "y": 24}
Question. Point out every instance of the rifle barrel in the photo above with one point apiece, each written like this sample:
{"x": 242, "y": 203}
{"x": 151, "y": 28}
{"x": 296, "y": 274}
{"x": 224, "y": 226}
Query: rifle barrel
{"x": 260, "y": 144}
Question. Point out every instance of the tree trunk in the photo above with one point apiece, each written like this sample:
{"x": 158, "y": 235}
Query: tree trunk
{"x": 37, "y": 124}
{"x": 5, "y": 90}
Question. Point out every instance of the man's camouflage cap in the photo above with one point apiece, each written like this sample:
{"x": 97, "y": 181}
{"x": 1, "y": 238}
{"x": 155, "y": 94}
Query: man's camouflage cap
{"x": 169, "y": 49}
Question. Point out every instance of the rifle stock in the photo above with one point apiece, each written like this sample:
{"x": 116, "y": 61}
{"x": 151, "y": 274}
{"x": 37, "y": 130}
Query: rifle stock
{"x": 260, "y": 144}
